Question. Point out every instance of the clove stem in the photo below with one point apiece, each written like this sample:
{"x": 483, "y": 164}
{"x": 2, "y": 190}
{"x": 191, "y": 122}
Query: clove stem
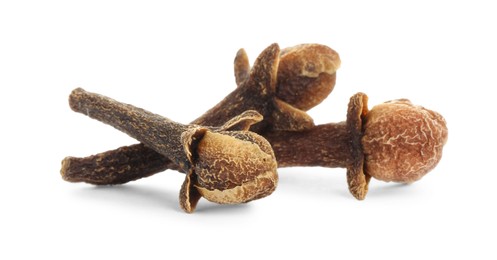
{"x": 327, "y": 145}
{"x": 153, "y": 130}
{"x": 125, "y": 164}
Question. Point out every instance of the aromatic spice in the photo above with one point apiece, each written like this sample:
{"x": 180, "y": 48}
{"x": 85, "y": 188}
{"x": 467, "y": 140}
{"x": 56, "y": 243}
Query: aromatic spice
{"x": 222, "y": 166}
{"x": 395, "y": 141}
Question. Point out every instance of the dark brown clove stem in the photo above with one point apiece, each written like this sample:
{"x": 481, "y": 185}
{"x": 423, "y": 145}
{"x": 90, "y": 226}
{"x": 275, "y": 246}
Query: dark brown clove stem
{"x": 327, "y": 145}
{"x": 152, "y": 130}
{"x": 125, "y": 164}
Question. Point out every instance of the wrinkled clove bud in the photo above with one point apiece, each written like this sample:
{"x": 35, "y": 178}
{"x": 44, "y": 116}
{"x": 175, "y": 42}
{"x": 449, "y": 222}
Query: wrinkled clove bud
{"x": 306, "y": 75}
{"x": 222, "y": 166}
{"x": 395, "y": 141}
{"x": 280, "y": 85}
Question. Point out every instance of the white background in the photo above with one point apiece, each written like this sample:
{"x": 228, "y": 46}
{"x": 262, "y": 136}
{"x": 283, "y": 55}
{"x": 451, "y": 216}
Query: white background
{"x": 176, "y": 60}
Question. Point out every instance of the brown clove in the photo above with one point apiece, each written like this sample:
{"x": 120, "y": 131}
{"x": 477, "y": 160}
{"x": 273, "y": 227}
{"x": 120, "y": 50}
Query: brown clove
{"x": 280, "y": 85}
{"x": 222, "y": 165}
{"x": 395, "y": 141}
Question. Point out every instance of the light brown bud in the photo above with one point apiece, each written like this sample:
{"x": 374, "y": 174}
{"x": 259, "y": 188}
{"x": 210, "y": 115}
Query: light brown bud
{"x": 235, "y": 167}
{"x": 402, "y": 142}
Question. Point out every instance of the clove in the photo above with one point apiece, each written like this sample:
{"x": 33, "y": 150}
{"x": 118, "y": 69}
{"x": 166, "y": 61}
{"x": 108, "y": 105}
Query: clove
{"x": 395, "y": 141}
{"x": 280, "y": 85}
{"x": 226, "y": 164}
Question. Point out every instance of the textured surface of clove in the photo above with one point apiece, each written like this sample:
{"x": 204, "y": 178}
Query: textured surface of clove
{"x": 215, "y": 159}
{"x": 122, "y": 165}
{"x": 402, "y": 142}
{"x": 151, "y": 129}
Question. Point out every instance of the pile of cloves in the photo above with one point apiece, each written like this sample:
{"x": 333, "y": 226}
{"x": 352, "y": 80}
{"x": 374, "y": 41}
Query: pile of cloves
{"x": 231, "y": 153}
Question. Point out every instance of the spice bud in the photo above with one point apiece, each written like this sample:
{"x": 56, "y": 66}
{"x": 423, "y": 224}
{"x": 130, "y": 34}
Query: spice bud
{"x": 402, "y": 142}
{"x": 235, "y": 167}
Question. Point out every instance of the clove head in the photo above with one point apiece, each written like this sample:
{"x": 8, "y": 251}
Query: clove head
{"x": 229, "y": 164}
{"x": 283, "y": 84}
{"x": 235, "y": 167}
{"x": 306, "y": 74}
{"x": 394, "y": 141}
{"x": 402, "y": 142}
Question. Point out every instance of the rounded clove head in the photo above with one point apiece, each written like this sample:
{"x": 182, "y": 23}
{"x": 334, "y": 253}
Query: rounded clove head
{"x": 228, "y": 164}
{"x": 235, "y": 167}
{"x": 306, "y": 74}
{"x": 402, "y": 142}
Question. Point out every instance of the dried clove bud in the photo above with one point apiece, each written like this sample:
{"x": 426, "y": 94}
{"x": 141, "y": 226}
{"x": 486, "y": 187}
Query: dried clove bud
{"x": 395, "y": 141}
{"x": 222, "y": 166}
{"x": 305, "y": 76}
